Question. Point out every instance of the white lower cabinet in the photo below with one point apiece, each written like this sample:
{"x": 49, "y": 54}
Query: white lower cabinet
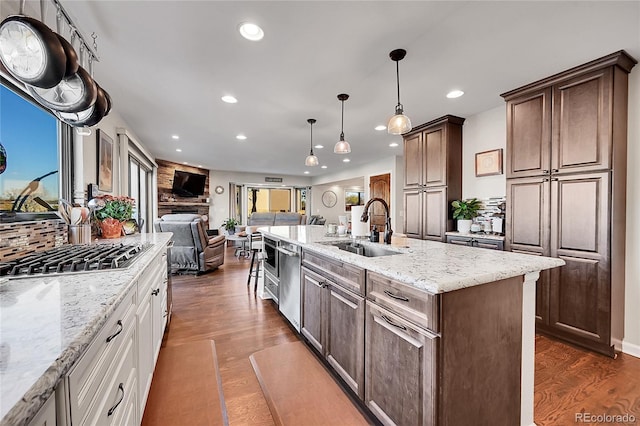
{"x": 110, "y": 382}
{"x": 47, "y": 414}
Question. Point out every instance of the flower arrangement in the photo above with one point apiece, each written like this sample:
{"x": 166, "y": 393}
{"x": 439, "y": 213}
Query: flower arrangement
{"x": 119, "y": 208}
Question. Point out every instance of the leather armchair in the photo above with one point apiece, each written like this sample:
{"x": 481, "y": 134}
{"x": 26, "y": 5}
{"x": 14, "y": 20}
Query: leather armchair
{"x": 193, "y": 250}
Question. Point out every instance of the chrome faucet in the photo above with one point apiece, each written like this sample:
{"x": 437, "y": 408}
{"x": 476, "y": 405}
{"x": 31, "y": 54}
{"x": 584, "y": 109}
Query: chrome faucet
{"x": 387, "y": 220}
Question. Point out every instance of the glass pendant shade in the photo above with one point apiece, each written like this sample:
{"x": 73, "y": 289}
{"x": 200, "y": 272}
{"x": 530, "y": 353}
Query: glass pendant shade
{"x": 311, "y": 160}
{"x": 399, "y": 124}
{"x": 342, "y": 147}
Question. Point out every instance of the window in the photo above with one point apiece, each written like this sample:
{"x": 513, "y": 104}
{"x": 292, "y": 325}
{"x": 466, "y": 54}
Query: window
{"x": 140, "y": 176}
{"x": 268, "y": 200}
{"x": 34, "y": 146}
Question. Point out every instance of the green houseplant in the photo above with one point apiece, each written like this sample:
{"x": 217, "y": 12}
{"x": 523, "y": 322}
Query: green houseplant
{"x": 464, "y": 211}
{"x": 230, "y": 225}
{"x": 112, "y": 213}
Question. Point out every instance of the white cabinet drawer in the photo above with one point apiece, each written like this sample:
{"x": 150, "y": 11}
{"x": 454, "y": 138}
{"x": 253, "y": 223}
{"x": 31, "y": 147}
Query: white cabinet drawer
{"x": 90, "y": 371}
{"x": 119, "y": 385}
{"x": 152, "y": 276}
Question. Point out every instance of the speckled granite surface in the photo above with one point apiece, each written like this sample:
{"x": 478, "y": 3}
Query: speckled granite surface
{"x": 427, "y": 265}
{"x": 46, "y": 323}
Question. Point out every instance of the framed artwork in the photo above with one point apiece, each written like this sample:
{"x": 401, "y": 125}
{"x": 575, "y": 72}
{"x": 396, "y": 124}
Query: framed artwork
{"x": 329, "y": 199}
{"x": 105, "y": 161}
{"x": 353, "y": 198}
{"x": 489, "y": 162}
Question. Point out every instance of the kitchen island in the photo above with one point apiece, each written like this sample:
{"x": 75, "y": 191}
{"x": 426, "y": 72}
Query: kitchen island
{"x": 449, "y": 330}
{"x": 48, "y": 322}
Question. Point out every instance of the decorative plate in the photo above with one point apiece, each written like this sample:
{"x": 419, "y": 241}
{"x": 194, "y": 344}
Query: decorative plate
{"x": 219, "y": 189}
{"x": 329, "y": 198}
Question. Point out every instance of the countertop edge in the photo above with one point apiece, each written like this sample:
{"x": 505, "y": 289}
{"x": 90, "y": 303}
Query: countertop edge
{"x": 35, "y": 397}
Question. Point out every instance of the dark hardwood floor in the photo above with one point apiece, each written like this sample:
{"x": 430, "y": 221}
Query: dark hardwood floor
{"x": 220, "y": 306}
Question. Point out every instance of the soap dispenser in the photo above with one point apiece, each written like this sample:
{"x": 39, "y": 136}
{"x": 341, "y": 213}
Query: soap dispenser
{"x": 375, "y": 235}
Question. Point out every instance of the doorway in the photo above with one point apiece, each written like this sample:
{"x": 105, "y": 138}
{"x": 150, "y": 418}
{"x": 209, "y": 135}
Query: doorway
{"x": 379, "y": 187}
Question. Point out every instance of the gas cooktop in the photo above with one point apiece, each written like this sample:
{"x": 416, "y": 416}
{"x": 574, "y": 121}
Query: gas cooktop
{"x": 74, "y": 259}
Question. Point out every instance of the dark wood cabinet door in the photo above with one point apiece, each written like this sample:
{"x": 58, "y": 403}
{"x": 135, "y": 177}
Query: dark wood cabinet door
{"x": 529, "y": 134}
{"x": 582, "y": 124}
{"x": 413, "y": 213}
{"x": 527, "y": 219}
{"x": 345, "y": 337}
{"x": 580, "y": 291}
{"x": 400, "y": 369}
{"x": 435, "y": 157}
{"x": 413, "y": 161}
{"x": 313, "y": 307}
{"x": 436, "y": 222}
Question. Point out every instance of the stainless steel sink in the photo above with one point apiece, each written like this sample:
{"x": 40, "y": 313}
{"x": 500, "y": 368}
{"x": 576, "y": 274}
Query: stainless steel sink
{"x": 362, "y": 249}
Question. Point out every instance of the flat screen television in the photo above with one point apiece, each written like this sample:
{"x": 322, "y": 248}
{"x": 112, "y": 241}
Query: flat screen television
{"x": 187, "y": 184}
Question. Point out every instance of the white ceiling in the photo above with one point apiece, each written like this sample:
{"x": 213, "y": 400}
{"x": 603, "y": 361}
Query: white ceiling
{"x": 167, "y": 63}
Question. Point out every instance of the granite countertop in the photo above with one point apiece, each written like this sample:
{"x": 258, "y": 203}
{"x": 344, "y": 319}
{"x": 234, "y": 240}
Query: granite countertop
{"x": 431, "y": 266}
{"x": 46, "y": 324}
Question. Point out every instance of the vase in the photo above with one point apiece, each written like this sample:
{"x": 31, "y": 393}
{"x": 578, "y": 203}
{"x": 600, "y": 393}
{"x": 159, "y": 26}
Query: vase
{"x": 464, "y": 226}
{"x": 111, "y": 228}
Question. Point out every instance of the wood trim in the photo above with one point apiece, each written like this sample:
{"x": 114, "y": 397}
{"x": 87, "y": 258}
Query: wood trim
{"x": 620, "y": 59}
{"x": 452, "y": 119}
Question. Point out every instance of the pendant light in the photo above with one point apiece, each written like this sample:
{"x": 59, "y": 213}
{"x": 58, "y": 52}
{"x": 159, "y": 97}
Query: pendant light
{"x": 311, "y": 159}
{"x": 342, "y": 147}
{"x": 399, "y": 123}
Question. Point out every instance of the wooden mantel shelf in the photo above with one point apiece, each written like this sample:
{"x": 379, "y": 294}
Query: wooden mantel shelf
{"x": 182, "y": 203}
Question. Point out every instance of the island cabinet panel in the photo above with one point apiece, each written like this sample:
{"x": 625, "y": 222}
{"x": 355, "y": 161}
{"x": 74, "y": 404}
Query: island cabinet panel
{"x": 348, "y": 276}
{"x": 401, "y": 369}
{"x": 571, "y": 202}
{"x": 433, "y": 177}
{"x": 333, "y": 323}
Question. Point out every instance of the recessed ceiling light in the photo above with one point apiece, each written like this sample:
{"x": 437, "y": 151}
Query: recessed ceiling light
{"x": 176, "y": 137}
{"x": 323, "y": 167}
{"x": 318, "y": 146}
{"x": 199, "y": 165}
{"x": 241, "y": 137}
{"x": 184, "y": 162}
{"x": 178, "y": 150}
{"x": 346, "y": 160}
{"x": 381, "y": 127}
{"x": 393, "y": 144}
{"x": 229, "y": 99}
{"x": 306, "y": 172}
{"x": 251, "y": 31}
{"x": 455, "y": 94}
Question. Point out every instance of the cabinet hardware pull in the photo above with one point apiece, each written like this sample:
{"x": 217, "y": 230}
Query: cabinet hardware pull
{"x": 546, "y": 172}
{"x": 395, "y": 296}
{"x": 545, "y": 180}
{"x": 388, "y": 321}
{"x": 554, "y": 179}
{"x": 112, "y": 409}
{"x": 155, "y": 292}
{"x": 110, "y": 338}
{"x": 555, "y": 170}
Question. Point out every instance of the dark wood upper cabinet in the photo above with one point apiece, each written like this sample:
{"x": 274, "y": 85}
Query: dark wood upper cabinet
{"x": 566, "y": 196}
{"x": 529, "y": 134}
{"x": 433, "y": 165}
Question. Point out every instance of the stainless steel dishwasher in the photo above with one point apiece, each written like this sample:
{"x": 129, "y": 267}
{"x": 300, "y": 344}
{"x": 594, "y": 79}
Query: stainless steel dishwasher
{"x": 289, "y": 297}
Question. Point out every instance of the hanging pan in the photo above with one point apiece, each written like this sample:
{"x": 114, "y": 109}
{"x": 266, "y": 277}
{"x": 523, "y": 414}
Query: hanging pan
{"x": 92, "y": 115}
{"x": 74, "y": 93}
{"x": 31, "y": 52}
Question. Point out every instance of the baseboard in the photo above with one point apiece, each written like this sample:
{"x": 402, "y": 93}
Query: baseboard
{"x": 631, "y": 349}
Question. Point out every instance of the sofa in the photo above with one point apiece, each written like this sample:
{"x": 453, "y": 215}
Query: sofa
{"x": 276, "y": 219}
{"x": 193, "y": 250}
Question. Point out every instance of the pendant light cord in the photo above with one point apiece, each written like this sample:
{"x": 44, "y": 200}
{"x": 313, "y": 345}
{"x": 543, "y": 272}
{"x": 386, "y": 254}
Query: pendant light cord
{"x": 311, "y": 123}
{"x": 398, "y": 79}
{"x": 342, "y": 123}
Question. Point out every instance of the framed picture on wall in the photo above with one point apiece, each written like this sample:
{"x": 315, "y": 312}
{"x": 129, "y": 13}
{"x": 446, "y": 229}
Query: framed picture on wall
{"x": 353, "y": 198}
{"x": 104, "y": 165}
{"x": 489, "y": 163}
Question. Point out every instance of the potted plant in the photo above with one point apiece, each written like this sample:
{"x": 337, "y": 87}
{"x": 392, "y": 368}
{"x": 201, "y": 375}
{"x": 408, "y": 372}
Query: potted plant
{"x": 230, "y": 225}
{"x": 112, "y": 213}
{"x": 464, "y": 211}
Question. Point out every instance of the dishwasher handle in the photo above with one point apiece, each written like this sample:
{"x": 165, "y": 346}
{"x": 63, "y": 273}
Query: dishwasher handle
{"x": 288, "y": 252}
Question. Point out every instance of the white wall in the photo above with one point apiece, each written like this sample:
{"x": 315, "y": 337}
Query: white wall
{"x": 219, "y": 209}
{"x": 483, "y": 132}
{"x": 393, "y": 165}
{"x": 331, "y": 213}
{"x": 631, "y": 342}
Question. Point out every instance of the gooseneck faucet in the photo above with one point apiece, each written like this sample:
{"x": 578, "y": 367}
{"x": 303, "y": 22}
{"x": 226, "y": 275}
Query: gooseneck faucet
{"x": 387, "y": 220}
